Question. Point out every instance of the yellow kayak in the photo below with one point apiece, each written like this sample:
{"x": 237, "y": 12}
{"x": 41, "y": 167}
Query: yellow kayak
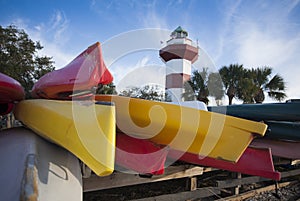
{"x": 85, "y": 129}
{"x": 183, "y": 128}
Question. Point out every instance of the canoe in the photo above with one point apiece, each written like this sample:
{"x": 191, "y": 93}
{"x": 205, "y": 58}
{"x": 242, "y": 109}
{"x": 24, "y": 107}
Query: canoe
{"x": 280, "y": 148}
{"x": 288, "y": 111}
{"x": 139, "y": 155}
{"x": 85, "y": 129}
{"x": 10, "y": 92}
{"x": 80, "y": 76}
{"x": 184, "y": 129}
{"x": 283, "y": 130}
{"x": 254, "y": 161}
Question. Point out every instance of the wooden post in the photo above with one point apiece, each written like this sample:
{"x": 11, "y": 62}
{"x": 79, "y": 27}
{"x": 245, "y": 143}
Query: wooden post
{"x": 237, "y": 189}
{"x": 8, "y": 120}
{"x": 191, "y": 184}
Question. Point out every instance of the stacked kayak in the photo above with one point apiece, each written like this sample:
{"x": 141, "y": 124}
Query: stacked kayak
{"x": 280, "y": 148}
{"x": 80, "y": 76}
{"x": 10, "y": 92}
{"x": 141, "y": 123}
{"x": 85, "y": 129}
{"x": 283, "y": 120}
{"x": 148, "y": 132}
{"x": 139, "y": 155}
{"x": 254, "y": 161}
{"x": 184, "y": 129}
{"x": 288, "y": 111}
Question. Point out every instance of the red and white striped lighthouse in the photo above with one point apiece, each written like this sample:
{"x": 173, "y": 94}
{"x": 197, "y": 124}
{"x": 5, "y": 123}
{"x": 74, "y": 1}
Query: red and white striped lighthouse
{"x": 179, "y": 54}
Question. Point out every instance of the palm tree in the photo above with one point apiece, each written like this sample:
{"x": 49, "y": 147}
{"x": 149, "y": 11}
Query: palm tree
{"x": 215, "y": 86}
{"x": 232, "y": 77}
{"x": 264, "y": 82}
{"x": 196, "y": 87}
{"x": 247, "y": 89}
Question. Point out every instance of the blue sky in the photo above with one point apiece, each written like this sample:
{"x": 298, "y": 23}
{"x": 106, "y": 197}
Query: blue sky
{"x": 253, "y": 33}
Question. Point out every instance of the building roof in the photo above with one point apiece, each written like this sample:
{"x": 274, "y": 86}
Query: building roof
{"x": 180, "y": 31}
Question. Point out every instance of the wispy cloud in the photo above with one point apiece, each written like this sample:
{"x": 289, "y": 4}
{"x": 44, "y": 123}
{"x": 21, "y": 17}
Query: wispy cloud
{"x": 51, "y": 34}
{"x": 264, "y": 38}
{"x": 152, "y": 19}
{"x": 229, "y": 13}
{"x": 59, "y": 25}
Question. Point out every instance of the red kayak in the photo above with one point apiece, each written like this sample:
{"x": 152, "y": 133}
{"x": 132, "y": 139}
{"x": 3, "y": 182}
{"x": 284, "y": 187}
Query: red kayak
{"x": 280, "y": 148}
{"x": 254, "y": 161}
{"x": 139, "y": 155}
{"x": 10, "y": 91}
{"x": 80, "y": 76}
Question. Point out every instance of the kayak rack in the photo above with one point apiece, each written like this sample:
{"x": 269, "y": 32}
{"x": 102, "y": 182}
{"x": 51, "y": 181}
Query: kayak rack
{"x": 119, "y": 179}
{"x": 200, "y": 182}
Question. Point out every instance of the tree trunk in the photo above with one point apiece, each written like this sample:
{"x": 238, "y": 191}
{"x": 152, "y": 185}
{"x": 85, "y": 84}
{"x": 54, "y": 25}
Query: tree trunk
{"x": 260, "y": 96}
{"x": 230, "y": 99}
{"x": 230, "y": 93}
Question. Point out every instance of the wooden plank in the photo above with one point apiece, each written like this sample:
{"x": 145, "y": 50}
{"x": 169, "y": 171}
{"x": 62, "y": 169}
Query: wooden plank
{"x": 119, "y": 179}
{"x": 254, "y": 192}
{"x": 199, "y": 193}
{"x": 295, "y": 162}
{"x": 290, "y": 173}
{"x": 235, "y": 182}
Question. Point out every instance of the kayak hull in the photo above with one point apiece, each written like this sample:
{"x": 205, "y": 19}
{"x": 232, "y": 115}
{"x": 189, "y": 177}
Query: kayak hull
{"x": 279, "y": 148}
{"x": 282, "y": 118}
{"x": 139, "y": 155}
{"x": 86, "y": 71}
{"x": 85, "y": 129}
{"x": 10, "y": 92}
{"x": 288, "y": 111}
{"x": 283, "y": 130}
{"x": 35, "y": 169}
{"x": 254, "y": 161}
{"x": 184, "y": 129}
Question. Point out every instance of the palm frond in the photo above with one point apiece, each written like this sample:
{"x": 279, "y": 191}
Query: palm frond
{"x": 279, "y": 96}
{"x": 276, "y": 83}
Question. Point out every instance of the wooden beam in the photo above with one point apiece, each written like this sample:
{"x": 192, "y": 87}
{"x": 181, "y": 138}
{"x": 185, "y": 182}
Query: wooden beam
{"x": 295, "y": 162}
{"x": 235, "y": 182}
{"x": 190, "y": 195}
{"x": 254, "y": 179}
{"x": 290, "y": 173}
{"x": 119, "y": 179}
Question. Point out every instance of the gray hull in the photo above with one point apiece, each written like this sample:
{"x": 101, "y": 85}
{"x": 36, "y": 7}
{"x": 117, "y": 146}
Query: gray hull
{"x": 32, "y": 168}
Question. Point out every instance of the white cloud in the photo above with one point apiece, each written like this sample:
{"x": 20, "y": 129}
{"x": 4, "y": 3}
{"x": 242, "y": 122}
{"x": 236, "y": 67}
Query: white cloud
{"x": 229, "y": 12}
{"x": 52, "y": 35}
{"x": 59, "y": 25}
{"x": 142, "y": 75}
{"x": 266, "y": 37}
{"x": 153, "y": 20}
